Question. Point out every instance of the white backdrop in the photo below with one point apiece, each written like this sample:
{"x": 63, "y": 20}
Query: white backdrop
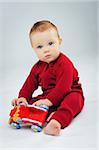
{"x": 77, "y": 24}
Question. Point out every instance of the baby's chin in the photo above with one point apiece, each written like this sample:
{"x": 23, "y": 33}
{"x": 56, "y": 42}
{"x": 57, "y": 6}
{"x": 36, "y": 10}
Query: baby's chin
{"x": 48, "y": 60}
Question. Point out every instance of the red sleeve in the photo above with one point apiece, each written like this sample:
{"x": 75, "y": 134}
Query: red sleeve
{"x": 30, "y": 85}
{"x": 64, "y": 79}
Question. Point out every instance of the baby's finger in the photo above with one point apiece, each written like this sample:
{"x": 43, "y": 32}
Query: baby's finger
{"x": 14, "y": 102}
{"x": 26, "y": 103}
{"x": 19, "y": 101}
{"x": 36, "y": 103}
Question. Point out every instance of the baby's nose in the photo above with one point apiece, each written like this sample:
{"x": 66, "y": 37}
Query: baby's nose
{"x": 46, "y": 51}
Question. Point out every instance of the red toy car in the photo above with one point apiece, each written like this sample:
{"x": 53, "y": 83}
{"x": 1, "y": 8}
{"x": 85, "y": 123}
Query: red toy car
{"x": 29, "y": 115}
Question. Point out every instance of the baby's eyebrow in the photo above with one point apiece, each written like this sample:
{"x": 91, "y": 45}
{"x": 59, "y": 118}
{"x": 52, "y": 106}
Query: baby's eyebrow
{"x": 51, "y": 40}
{"x": 38, "y": 44}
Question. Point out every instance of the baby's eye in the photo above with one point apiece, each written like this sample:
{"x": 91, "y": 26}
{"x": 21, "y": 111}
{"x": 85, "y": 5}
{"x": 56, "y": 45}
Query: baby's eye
{"x": 50, "y": 43}
{"x": 40, "y": 46}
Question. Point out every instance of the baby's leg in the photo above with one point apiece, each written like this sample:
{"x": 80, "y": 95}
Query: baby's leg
{"x": 69, "y": 108}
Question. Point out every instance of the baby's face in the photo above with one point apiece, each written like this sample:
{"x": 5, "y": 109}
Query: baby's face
{"x": 46, "y": 45}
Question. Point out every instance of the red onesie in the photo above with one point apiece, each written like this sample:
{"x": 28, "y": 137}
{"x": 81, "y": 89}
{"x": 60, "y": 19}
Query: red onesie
{"x": 60, "y": 84}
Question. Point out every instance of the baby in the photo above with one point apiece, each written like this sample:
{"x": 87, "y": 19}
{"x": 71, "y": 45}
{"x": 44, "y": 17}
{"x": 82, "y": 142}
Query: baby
{"x": 56, "y": 75}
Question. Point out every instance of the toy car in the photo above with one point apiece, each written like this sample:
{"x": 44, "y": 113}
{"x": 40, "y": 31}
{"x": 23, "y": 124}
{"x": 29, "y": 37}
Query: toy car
{"x": 29, "y": 115}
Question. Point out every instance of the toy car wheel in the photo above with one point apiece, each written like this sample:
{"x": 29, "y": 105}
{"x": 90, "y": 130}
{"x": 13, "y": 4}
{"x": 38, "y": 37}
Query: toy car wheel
{"x": 15, "y": 125}
{"x": 44, "y": 106}
{"x": 19, "y": 120}
{"x": 36, "y": 128}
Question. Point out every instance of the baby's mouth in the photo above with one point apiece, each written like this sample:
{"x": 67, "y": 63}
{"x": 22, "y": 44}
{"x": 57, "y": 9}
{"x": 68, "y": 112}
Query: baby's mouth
{"x": 48, "y": 56}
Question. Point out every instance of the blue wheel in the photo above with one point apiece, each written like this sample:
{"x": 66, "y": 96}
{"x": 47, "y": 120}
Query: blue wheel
{"x": 44, "y": 106}
{"x": 15, "y": 125}
{"x": 36, "y": 128}
{"x": 19, "y": 120}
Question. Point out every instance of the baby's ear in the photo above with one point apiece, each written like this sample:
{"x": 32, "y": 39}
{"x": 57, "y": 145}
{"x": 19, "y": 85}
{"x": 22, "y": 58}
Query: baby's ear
{"x": 60, "y": 41}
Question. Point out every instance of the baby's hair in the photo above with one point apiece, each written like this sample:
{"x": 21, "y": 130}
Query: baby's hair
{"x": 43, "y": 25}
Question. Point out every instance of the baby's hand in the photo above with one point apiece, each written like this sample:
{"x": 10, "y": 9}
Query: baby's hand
{"x": 17, "y": 101}
{"x": 44, "y": 102}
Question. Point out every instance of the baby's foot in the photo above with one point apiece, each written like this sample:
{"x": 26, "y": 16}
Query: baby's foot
{"x": 53, "y": 128}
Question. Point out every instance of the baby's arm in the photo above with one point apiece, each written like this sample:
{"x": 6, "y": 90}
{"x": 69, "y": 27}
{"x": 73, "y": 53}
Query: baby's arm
{"x": 30, "y": 85}
{"x": 64, "y": 80}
